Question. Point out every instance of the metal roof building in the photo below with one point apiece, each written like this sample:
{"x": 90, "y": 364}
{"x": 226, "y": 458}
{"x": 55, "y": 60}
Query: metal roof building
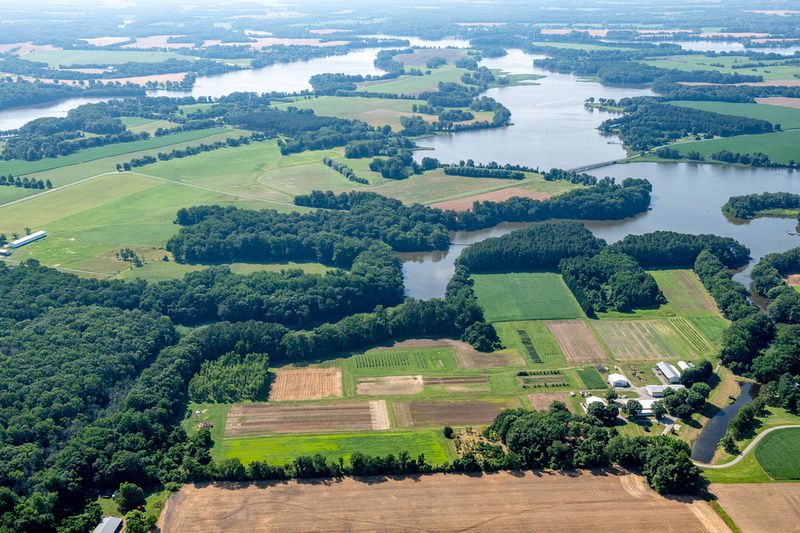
{"x": 669, "y": 371}
{"x": 594, "y": 399}
{"x": 618, "y": 380}
{"x": 109, "y": 524}
{"x": 657, "y": 391}
{"x": 683, "y": 365}
{"x": 27, "y": 239}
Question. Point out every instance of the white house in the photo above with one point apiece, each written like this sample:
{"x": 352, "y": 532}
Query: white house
{"x": 657, "y": 391}
{"x": 669, "y": 371}
{"x": 618, "y": 380}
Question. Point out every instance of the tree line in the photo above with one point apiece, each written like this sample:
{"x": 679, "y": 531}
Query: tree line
{"x": 749, "y": 205}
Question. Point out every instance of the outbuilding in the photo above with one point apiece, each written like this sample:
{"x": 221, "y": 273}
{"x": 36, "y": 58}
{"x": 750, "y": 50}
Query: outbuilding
{"x": 618, "y": 380}
{"x": 647, "y": 407}
{"x": 594, "y": 399}
{"x": 27, "y": 239}
{"x": 669, "y": 371}
{"x": 683, "y": 365}
{"x": 3, "y": 251}
{"x": 657, "y": 391}
{"x": 109, "y": 524}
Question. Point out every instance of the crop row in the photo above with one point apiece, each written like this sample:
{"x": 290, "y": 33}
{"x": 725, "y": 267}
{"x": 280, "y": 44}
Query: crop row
{"x": 528, "y": 345}
{"x": 538, "y": 372}
{"x": 633, "y": 340}
{"x": 538, "y": 385}
{"x": 691, "y": 335}
{"x": 377, "y": 360}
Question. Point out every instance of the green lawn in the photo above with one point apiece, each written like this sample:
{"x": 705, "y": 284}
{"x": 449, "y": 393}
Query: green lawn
{"x": 779, "y": 454}
{"x": 787, "y": 117}
{"x": 525, "y": 296}
{"x": 591, "y": 378}
{"x": 399, "y": 362}
{"x": 781, "y": 147}
{"x": 284, "y": 449}
{"x": 773, "y": 69}
{"x": 55, "y": 58}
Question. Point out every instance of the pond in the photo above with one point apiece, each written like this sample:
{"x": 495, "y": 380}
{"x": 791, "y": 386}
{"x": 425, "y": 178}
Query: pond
{"x": 706, "y": 444}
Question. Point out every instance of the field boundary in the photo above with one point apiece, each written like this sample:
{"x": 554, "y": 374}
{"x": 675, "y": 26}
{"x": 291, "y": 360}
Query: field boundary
{"x": 748, "y": 449}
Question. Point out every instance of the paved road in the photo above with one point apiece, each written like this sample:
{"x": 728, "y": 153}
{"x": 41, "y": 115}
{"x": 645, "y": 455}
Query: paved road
{"x": 746, "y": 450}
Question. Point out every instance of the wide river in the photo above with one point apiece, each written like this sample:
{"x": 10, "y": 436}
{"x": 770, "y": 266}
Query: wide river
{"x": 551, "y": 128}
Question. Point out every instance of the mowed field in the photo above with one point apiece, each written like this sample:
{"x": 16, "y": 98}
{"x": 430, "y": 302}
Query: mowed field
{"x": 781, "y": 147}
{"x": 788, "y": 118}
{"x": 576, "y": 341}
{"x": 525, "y": 296}
{"x": 504, "y": 501}
{"x": 761, "y": 507}
{"x": 633, "y": 340}
{"x": 779, "y": 454}
{"x": 500, "y": 195}
{"x": 306, "y": 384}
{"x": 683, "y": 290}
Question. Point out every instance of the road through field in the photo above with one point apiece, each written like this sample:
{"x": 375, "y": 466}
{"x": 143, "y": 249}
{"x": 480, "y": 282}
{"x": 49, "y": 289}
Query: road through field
{"x": 746, "y": 450}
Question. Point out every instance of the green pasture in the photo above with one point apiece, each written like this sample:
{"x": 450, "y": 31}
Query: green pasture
{"x": 525, "y": 296}
{"x": 781, "y": 147}
{"x": 787, "y": 117}
{"x": 712, "y": 328}
{"x": 137, "y": 124}
{"x": 399, "y": 362}
{"x": 543, "y": 341}
{"x": 158, "y": 270}
{"x": 779, "y": 454}
{"x": 773, "y": 69}
{"x": 414, "y": 84}
{"x": 279, "y": 450}
{"x": 578, "y": 46}
{"x": 55, "y": 58}
{"x": 746, "y": 471}
{"x": 591, "y": 378}
{"x": 683, "y": 290}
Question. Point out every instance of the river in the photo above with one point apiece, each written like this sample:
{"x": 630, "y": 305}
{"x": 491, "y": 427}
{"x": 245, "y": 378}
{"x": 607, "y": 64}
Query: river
{"x": 706, "y": 444}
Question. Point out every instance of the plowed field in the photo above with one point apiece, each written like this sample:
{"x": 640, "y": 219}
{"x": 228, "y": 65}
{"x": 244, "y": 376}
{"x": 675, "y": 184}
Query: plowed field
{"x": 541, "y": 402}
{"x": 265, "y": 418}
{"x": 761, "y": 507}
{"x": 583, "y": 500}
{"x": 441, "y": 413}
{"x": 306, "y": 384}
{"x": 576, "y": 341}
{"x": 386, "y": 386}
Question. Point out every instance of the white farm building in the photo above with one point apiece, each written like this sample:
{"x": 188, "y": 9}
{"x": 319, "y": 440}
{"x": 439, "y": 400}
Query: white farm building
{"x": 594, "y": 399}
{"x": 669, "y": 371}
{"x": 657, "y": 391}
{"x": 27, "y": 239}
{"x": 683, "y": 365}
{"x": 618, "y": 380}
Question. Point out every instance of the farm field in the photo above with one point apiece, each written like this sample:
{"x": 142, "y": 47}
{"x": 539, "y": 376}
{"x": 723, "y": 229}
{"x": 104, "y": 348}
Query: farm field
{"x": 541, "y": 402}
{"x": 159, "y": 270}
{"x": 500, "y": 195}
{"x": 306, "y": 384}
{"x": 592, "y": 378}
{"x": 779, "y": 454}
{"x": 503, "y": 501}
{"x": 633, "y": 340}
{"x": 411, "y": 85}
{"x": 54, "y": 58}
{"x": 684, "y": 292}
{"x": 525, "y": 296}
{"x": 453, "y": 413}
{"x": 282, "y": 449}
{"x": 389, "y": 385}
{"x": 577, "y": 341}
{"x": 761, "y": 507}
{"x": 381, "y": 362}
{"x": 691, "y": 62}
{"x": 541, "y": 339}
{"x": 265, "y": 418}
{"x": 788, "y": 118}
{"x": 781, "y": 147}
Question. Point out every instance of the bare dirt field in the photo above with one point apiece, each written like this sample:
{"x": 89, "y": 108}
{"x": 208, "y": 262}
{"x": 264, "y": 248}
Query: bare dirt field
{"x": 306, "y": 384}
{"x": 441, "y": 413}
{"x": 265, "y": 418}
{"x": 461, "y": 383}
{"x": 501, "y": 195}
{"x": 389, "y": 385}
{"x": 576, "y": 341}
{"x": 583, "y": 500}
{"x": 793, "y": 280}
{"x": 541, "y": 402}
{"x": 467, "y": 356}
{"x": 781, "y": 101}
{"x": 761, "y": 506}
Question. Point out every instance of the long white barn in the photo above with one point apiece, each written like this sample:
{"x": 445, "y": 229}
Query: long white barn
{"x": 27, "y": 239}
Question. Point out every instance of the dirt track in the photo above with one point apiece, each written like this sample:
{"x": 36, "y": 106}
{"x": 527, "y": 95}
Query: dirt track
{"x": 600, "y": 500}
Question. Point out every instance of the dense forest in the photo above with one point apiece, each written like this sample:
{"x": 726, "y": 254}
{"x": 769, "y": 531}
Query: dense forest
{"x": 749, "y": 205}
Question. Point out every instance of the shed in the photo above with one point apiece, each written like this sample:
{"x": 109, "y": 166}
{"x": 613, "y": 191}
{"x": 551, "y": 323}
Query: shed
{"x": 27, "y": 239}
{"x": 109, "y": 524}
{"x": 3, "y": 251}
{"x": 657, "y": 391}
{"x": 683, "y": 365}
{"x": 647, "y": 407}
{"x": 594, "y": 399}
{"x": 669, "y": 371}
{"x": 618, "y": 380}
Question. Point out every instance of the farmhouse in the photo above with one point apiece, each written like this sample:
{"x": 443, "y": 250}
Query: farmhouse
{"x": 27, "y": 239}
{"x": 657, "y": 391}
{"x": 683, "y": 365}
{"x": 109, "y": 524}
{"x": 669, "y": 371}
{"x": 618, "y": 380}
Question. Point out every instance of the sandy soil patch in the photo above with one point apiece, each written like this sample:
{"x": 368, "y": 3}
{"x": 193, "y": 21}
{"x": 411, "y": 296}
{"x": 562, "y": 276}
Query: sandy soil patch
{"x": 576, "y": 341}
{"x": 541, "y": 402}
{"x": 761, "y": 506}
{"x": 158, "y": 41}
{"x": 441, "y": 413}
{"x": 793, "y": 280}
{"x": 265, "y": 418}
{"x": 104, "y": 41}
{"x": 581, "y": 500}
{"x": 768, "y": 83}
{"x": 390, "y": 385}
{"x": 461, "y": 383}
{"x": 501, "y": 195}
{"x": 306, "y": 384}
{"x": 784, "y": 101}
{"x": 380, "y": 415}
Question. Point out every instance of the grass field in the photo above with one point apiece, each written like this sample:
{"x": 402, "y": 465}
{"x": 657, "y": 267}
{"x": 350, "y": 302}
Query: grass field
{"x": 787, "y": 117}
{"x": 779, "y": 454}
{"x": 284, "y": 449}
{"x": 160, "y": 270}
{"x": 591, "y": 378}
{"x": 543, "y": 341}
{"x": 773, "y": 70}
{"x": 525, "y": 296}
{"x": 414, "y": 84}
{"x": 55, "y": 58}
{"x": 781, "y": 147}
{"x": 397, "y": 362}
{"x": 685, "y": 293}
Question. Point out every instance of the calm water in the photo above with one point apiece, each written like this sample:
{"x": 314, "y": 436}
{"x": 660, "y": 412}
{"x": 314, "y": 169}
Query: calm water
{"x": 721, "y": 46}
{"x": 706, "y": 445}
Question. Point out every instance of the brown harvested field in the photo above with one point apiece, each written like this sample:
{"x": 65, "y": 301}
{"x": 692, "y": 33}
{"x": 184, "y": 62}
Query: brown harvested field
{"x": 265, "y": 418}
{"x": 541, "y": 402}
{"x": 306, "y": 384}
{"x": 453, "y": 413}
{"x": 542, "y": 501}
{"x": 461, "y": 383}
{"x": 766, "y": 507}
{"x": 420, "y": 57}
{"x": 501, "y": 195}
{"x": 576, "y": 341}
{"x": 783, "y": 101}
{"x": 390, "y": 385}
{"x": 793, "y": 280}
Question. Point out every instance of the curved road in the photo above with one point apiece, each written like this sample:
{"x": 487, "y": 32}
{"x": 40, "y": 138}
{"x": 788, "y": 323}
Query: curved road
{"x": 746, "y": 450}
